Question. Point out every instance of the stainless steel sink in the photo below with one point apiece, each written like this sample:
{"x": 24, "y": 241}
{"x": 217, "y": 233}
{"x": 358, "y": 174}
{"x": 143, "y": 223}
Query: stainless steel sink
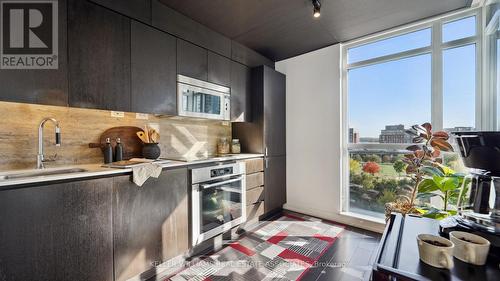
{"x": 40, "y": 173}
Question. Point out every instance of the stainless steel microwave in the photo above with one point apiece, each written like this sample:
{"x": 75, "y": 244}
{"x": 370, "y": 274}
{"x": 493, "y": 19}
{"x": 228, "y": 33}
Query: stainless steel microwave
{"x": 196, "y": 98}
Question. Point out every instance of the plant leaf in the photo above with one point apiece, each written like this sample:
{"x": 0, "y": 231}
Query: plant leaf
{"x": 414, "y": 147}
{"x": 446, "y": 183}
{"x": 411, "y": 132}
{"x": 432, "y": 171}
{"x": 418, "y": 139}
{"x": 427, "y": 195}
{"x": 428, "y": 127}
{"x": 441, "y": 134}
{"x": 441, "y": 144}
{"x": 410, "y": 169}
{"x": 436, "y": 152}
{"x": 419, "y": 129}
{"x": 419, "y": 153}
{"x": 427, "y": 185}
{"x": 436, "y": 215}
{"x": 447, "y": 170}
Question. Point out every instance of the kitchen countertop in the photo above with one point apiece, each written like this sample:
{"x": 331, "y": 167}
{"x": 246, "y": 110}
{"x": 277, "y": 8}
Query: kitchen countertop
{"x": 96, "y": 170}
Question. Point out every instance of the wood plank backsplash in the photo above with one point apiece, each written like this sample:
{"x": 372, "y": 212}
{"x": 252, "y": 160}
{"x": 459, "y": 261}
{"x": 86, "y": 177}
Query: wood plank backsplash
{"x": 79, "y": 127}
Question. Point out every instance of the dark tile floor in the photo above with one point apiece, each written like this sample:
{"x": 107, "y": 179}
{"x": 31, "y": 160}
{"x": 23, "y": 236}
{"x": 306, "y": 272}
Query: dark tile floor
{"x": 350, "y": 258}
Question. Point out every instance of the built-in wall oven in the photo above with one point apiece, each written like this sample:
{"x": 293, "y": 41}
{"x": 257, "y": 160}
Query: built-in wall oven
{"x": 197, "y": 98}
{"x": 217, "y": 200}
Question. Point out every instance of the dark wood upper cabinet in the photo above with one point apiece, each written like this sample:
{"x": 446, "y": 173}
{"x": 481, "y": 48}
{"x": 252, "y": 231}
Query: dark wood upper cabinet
{"x": 40, "y": 86}
{"x": 57, "y": 232}
{"x": 247, "y": 56}
{"x": 192, "y": 61}
{"x": 153, "y": 70}
{"x": 267, "y": 131}
{"x": 185, "y": 28}
{"x": 219, "y": 69}
{"x": 275, "y": 183}
{"x": 99, "y": 57}
{"x": 240, "y": 93}
{"x": 275, "y": 112}
{"x": 150, "y": 222}
{"x": 136, "y": 9}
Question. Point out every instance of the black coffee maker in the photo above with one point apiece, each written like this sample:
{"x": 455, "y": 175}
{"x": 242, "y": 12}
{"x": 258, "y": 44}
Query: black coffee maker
{"x": 479, "y": 203}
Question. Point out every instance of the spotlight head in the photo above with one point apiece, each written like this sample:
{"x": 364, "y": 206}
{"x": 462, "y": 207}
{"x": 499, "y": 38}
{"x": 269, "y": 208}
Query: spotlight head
{"x": 316, "y": 8}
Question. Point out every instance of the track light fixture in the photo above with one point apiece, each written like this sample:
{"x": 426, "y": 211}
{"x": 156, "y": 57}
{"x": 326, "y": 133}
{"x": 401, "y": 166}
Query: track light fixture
{"x": 316, "y": 8}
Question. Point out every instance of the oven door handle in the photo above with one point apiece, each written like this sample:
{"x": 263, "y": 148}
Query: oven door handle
{"x": 205, "y": 186}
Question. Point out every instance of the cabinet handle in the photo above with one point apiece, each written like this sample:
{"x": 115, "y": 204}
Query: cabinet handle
{"x": 265, "y": 152}
{"x": 266, "y": 163}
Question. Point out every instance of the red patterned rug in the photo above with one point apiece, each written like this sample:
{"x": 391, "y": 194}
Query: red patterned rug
{"x": 284, "y": 249}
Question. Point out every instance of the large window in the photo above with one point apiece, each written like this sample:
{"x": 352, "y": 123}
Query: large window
{"x": 426, "y": 73}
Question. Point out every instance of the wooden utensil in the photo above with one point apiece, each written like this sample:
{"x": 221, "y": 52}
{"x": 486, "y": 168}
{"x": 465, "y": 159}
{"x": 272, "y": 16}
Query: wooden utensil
{"x": 155, "y": 136}
{"x": 142, "y": 136}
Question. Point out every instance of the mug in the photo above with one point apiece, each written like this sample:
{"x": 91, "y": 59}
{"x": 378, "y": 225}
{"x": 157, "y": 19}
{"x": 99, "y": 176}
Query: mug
{"x": 470, "y": 248}
{"x": 440, "y": 256}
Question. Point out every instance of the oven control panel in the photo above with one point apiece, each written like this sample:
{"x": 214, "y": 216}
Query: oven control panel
{"x": 217, "y": 171}
{"x": 221, "y": 172}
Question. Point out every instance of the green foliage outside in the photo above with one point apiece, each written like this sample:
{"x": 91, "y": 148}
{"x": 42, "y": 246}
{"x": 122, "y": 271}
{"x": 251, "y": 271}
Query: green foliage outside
{"x": 372, "y": 192}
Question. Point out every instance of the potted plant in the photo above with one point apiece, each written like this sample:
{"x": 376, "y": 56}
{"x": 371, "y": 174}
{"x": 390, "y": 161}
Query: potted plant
{"x": 444, "y": 183}
{"x": 423, "y": 160}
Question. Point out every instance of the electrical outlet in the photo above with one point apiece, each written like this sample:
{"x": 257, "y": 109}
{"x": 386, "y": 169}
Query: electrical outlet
{"x": 142, "y": 116}
{"x": 117, "y": 114}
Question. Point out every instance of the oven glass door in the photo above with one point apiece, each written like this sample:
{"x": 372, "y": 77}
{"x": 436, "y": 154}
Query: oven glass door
{"x": 200, "y": 102}
{"x": 220, "y": 203}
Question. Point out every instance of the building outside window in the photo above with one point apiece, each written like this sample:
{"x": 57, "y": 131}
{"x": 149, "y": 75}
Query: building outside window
{"x": 424, "y": 73}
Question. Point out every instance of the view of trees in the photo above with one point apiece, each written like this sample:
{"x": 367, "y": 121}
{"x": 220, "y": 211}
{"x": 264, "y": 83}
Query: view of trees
{"x": 376, "y": 179}
{"x": 371, "y": 168}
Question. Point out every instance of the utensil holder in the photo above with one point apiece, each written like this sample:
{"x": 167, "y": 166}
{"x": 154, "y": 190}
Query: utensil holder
{"x": 151, "y": 151}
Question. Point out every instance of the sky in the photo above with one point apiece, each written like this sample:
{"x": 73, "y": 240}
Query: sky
{"x": 399, "y": 92}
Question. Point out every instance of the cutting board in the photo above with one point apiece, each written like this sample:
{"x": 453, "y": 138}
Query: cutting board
{"x": 132, "y": 145}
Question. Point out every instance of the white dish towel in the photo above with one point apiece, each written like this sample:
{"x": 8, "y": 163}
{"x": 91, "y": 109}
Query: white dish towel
{"x": 141, "y": 173}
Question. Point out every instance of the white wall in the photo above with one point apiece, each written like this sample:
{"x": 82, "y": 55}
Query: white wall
{"x": 313, "y": 135}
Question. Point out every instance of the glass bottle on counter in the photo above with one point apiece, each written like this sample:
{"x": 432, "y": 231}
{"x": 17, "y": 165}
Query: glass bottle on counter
{"x": 223, "y": 146}
{"x": 236, "y": 146}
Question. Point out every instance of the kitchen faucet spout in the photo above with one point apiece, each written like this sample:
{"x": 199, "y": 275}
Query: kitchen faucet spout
{"x": 40, "y": 157}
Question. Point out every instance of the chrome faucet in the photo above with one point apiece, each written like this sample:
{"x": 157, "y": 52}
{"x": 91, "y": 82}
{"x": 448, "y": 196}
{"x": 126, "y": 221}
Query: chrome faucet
{"x": 40, "y": 157}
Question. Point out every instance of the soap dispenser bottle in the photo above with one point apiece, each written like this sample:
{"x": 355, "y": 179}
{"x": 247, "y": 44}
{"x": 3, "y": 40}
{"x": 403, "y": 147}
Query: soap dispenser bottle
{"x": 108, "y": 152}
{"x": 118, "y": 150}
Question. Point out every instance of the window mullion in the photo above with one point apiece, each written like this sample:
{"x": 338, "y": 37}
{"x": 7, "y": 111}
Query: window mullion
{"x": 437, "y": 76}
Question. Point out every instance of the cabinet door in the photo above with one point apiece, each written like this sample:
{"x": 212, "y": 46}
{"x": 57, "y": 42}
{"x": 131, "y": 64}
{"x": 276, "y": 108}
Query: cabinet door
{"x": 181, "y": 26}
{"x": 192, "y": 61}
{"x": 240, "y": 93}
{"x": 275, "y": 183}
{"x": 137, "y": 9}
{"x": 150, "y": 222}
{"x": 99, "y": 57}
{"x": 247, "y": 56}
{"x": 40, "y": 86}
{"x": 219, "y": 69}
{"x": 275, "y": 112}
{"x": 57, "y": 232}
{"x": 153, "y": 70}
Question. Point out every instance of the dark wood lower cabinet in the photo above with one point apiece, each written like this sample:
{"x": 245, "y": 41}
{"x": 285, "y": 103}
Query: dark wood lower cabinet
{"x": 275, "y": 182}
{"x": 150, "y": 223}
{"x": 57, "y": 232}
{"x": 101, "y": 229}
